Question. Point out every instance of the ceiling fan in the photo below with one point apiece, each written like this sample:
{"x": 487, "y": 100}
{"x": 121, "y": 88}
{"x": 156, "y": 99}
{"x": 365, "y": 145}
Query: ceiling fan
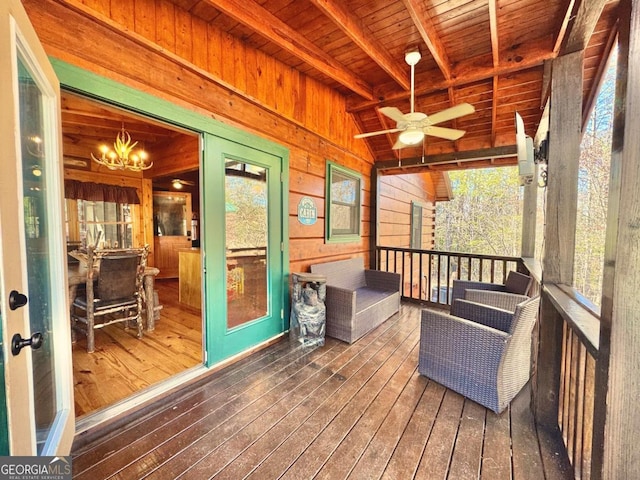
{"x": 413, "y": 126}
{"x": 179, "y": 184}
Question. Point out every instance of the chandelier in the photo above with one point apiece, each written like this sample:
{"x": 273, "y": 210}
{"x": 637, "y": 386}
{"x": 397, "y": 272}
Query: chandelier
{"x": 121, "y": 157}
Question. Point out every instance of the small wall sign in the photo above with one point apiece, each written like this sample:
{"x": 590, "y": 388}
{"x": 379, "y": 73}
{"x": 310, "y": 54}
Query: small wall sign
{"x": 307, "y": 211}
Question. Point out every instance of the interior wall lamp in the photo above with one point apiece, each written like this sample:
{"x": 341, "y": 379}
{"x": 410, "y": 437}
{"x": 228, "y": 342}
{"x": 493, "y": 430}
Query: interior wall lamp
{"x": 122, "y": 157}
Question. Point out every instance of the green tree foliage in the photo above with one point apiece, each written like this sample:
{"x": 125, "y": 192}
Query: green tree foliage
{"x": 485, "y": 216}
{"x": 593, "y": 192}
{"x": 246, "y": 201}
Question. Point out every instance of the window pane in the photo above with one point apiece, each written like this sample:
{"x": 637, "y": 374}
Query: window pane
{"x": 343, "y": 203}
{"x": 105, "y": 224}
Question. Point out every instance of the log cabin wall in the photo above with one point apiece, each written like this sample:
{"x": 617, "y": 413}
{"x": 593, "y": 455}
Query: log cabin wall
{"x": 396, "y": 194}
{"x": 158, "y": 48}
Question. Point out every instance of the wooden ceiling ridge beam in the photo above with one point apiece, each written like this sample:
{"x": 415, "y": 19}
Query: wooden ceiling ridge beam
{"x": 535, "y": 58}
{"x": 422, "y": 20}
{"x": 451, "y": 158}
{"x": 361, "y": 36}
{"x": 263, "y": 22}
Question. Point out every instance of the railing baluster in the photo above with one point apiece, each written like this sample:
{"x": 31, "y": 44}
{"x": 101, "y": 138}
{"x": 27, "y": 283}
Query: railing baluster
{"x": 420, "y": 256}
{"x": 428, "y": 286}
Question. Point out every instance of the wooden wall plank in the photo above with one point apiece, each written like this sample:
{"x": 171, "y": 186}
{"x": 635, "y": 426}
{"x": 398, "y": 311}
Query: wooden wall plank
{"x": 145, "y": 18}
{"x": 165, "y": 25}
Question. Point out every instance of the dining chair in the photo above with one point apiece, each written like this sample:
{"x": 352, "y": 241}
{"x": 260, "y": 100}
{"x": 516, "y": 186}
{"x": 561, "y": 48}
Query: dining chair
{"x": 113, "y": 292}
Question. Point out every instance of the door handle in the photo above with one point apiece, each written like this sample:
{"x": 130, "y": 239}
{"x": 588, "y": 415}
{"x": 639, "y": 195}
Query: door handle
{"x": 17, "y": 300}
{"x": 18, "y": 343}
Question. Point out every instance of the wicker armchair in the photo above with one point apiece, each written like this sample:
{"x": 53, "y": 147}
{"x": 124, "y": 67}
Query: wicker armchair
{"x": 516, "y": 283}
{"x": 480, "y": 351}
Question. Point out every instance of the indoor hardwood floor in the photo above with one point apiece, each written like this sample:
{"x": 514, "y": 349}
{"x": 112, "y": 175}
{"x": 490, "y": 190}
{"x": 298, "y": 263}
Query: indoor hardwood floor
{"x": 338, "y": 411}
{"x": 123, "y": 364}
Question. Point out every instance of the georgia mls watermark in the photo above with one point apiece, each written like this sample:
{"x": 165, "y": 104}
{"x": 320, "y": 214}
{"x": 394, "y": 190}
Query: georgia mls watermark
{"x": 35, "y": 468}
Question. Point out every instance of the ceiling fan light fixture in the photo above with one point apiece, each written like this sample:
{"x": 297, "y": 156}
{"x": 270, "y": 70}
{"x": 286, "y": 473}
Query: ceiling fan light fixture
{"x": 412, "y": 57}
{"x": 177, "y": 184}
{"x": 411, "y": 136}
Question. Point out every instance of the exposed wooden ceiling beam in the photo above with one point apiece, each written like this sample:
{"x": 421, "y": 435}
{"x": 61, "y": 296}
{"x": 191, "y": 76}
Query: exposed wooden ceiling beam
{"x": 564, "y": 25}
{"x": 585, "y": 17}
{"x": 534, "y": 58}
{"x": 493, "y": 29}
{"x": 494, "y": 111}
{"x": 263, "y": 22}
{"x": 422, "y": 20}
{"x": 361, "y": 36}
{"x": 451, "y": 158}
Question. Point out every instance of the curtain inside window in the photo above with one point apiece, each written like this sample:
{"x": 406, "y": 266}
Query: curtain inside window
{"x": 100, "y": 192}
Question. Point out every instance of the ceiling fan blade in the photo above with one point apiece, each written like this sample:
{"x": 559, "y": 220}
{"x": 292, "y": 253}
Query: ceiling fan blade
{"x": 442, "y": 132}
{"x": 379, "y": 132}
{"x": 451, "y": 113}
{"x": 393, "y": 113}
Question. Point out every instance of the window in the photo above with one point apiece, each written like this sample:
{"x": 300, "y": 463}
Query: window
{"x": 342, "y": 204}
{"x": 416, "y": 225}
{"x": 106, "y": 224}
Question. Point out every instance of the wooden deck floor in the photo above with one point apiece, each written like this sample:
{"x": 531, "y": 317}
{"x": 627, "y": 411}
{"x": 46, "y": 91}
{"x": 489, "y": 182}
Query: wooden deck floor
{"x": 340, "y": 411}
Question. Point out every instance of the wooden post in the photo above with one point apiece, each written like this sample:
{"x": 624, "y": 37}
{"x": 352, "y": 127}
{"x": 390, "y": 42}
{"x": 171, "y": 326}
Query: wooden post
{"x": 565, "y": 125}
{"x": 616, "y": 420}
{"x": 562, "y": 198}
{"x": 529, "y": 210}
{"x": 373, "y": 235}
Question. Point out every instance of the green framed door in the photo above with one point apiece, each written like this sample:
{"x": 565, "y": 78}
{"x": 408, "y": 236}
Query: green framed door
{"x": 219, "y": 140}
{"x": 245, "y": 274}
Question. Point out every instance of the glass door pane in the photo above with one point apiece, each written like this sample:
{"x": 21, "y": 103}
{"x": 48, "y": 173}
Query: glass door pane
{"x": 246, "y": 219}
{"x": 37, "y": 240}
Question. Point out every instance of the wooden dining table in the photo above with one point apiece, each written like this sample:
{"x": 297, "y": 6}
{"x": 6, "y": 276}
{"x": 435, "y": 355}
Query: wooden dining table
{"x": 77, "y": 275}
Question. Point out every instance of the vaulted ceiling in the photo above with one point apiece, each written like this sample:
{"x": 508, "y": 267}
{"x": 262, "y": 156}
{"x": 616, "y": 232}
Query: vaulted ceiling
{"x": 492, "y": 54}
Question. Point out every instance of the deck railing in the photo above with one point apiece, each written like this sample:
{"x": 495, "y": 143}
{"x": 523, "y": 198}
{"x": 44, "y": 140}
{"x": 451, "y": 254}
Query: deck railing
{"x": 577, "y": 371}
{"x": 427, "y": 276}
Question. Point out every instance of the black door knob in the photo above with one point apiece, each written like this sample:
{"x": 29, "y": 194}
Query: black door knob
{"x": 17, "y": 300}
{"x": 18, "y": 343}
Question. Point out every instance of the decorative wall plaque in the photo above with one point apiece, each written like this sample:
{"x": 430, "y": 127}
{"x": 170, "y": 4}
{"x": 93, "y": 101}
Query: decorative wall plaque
{"x": 307, "y": 211}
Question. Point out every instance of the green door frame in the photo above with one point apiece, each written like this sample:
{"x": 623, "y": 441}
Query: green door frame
{"x": 89, "y": 84}
{"x": 228, "y": 342}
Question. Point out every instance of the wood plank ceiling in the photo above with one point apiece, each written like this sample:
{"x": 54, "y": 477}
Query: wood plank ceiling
{"x": 493, "y": 54}
{"x": 490, "y": 53}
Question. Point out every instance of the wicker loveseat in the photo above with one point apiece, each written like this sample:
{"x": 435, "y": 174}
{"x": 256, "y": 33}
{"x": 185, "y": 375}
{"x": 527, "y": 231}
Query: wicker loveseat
{"x": 358, "y": 300}
{"x": 480, "y": 351}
